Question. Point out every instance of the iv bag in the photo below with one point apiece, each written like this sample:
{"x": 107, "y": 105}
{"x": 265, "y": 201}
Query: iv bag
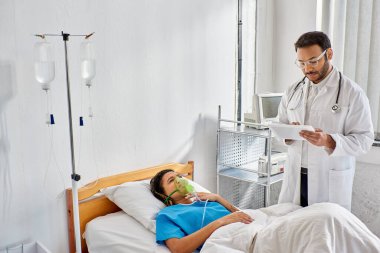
{"x": 44, "y": 66}
{"x": 87, "y": 61}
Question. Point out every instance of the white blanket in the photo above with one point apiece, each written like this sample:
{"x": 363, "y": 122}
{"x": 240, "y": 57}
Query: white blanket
{"x": 322, "y": 227}
{"x": 239, "y": 237}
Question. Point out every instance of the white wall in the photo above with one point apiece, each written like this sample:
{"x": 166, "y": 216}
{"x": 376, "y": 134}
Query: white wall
{"x": 293, "y": 18}
{"x": 163, "y": 67}
{"x": 280, "y": 23}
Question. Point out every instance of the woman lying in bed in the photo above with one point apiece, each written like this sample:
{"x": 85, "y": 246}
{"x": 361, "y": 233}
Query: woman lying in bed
{"x": 184, "y": 225}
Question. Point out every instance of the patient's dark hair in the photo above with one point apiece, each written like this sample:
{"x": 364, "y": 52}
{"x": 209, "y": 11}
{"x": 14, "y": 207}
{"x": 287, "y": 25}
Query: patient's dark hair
{"x": 313, "y": 38}
{"x": 157, "y": 189}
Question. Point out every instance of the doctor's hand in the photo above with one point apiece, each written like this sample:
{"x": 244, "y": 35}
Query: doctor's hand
{"x": 319, "y": 138}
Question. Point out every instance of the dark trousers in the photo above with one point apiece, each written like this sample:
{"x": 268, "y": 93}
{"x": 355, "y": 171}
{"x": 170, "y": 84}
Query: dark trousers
{"x": 304, "y": 201}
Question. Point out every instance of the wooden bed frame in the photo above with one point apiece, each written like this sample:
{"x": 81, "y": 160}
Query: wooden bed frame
{"x": 91, "y": 206}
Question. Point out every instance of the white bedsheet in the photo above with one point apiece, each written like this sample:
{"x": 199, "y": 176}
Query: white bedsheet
{"x": 120, "y": 233}
{"x": 322, "y": 227}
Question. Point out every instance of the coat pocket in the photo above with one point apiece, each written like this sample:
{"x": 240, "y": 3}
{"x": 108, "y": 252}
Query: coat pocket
{"x": 340, "y": 187}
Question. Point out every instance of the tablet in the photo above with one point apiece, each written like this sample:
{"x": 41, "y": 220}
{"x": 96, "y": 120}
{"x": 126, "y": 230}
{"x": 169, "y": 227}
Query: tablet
{"x": 290, "y": 132}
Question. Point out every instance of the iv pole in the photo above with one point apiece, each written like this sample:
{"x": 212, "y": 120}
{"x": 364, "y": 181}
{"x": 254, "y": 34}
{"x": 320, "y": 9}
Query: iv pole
{"x": 74, "y": 176}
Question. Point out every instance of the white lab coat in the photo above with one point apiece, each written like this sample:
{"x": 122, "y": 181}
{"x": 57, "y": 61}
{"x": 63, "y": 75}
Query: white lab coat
{"x": 330, "y": 174}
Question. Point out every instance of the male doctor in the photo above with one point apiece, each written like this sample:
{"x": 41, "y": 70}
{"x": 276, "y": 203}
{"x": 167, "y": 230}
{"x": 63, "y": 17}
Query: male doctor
{"x": 321, "y": 168}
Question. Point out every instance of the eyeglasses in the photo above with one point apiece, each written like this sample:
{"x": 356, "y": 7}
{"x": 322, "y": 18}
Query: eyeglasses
{"x": 313, "y": 63}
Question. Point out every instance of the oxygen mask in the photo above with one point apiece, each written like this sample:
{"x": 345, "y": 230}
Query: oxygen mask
{"x": 182, "y": 186}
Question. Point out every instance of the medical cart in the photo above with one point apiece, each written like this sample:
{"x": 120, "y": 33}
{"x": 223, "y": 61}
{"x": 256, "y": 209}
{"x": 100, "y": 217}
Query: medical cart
{"x": 247, "y": 174}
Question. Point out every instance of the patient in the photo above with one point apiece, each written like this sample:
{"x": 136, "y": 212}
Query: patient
{"x": 185, "y": 224}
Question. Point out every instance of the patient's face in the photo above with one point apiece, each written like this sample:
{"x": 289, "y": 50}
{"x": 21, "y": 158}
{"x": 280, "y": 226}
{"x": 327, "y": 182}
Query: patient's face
{"x": 169, "y": 186}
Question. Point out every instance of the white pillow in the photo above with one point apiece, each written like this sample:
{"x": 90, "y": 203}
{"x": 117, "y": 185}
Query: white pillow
{"x": 135, "y": 199}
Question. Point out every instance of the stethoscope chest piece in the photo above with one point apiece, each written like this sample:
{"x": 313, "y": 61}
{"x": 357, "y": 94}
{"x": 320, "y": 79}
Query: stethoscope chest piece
{"x": 335, "y": 108}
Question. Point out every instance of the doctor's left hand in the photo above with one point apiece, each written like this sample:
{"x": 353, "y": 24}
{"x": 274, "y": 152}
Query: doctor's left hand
{"x": 318, "y": 138}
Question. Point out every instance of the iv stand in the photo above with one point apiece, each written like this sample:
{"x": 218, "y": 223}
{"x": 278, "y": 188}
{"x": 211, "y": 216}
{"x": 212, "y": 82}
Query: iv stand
{"x": 74, "y": 176}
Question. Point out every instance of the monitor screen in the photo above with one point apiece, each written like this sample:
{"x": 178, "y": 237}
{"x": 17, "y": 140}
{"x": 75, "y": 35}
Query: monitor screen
{"x": 264, "y": 109}
{"x": 270, "y": 106}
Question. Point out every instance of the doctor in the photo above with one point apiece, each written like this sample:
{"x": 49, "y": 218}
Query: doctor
{"x": 321, "y": 168}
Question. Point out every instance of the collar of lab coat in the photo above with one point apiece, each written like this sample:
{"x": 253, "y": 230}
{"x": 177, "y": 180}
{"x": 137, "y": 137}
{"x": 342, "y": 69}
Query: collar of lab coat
{"x": 328, "y": 81}
{"x": 332, "y": 78}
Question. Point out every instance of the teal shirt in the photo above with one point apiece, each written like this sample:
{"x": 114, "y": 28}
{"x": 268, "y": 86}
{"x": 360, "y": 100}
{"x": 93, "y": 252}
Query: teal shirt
{"x": 180, "y": 220}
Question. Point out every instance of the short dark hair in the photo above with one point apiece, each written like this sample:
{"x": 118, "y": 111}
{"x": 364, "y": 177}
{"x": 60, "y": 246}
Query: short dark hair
{"x": 157, "y": 189}
{"x": 313, "y": 38}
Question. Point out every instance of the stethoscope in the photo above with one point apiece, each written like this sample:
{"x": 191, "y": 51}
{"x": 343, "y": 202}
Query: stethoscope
{"x": 335, "y": 108}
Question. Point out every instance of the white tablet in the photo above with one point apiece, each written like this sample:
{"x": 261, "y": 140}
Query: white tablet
{"x": 290, "y": 132}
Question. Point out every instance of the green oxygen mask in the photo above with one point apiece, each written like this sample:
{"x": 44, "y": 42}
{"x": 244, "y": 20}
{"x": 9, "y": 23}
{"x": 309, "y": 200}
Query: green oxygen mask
{"x": 182, "y": 186}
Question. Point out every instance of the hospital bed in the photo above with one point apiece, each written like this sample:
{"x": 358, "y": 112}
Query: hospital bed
{"x": 92, "y": 206}
{"x": 278, "y": 228}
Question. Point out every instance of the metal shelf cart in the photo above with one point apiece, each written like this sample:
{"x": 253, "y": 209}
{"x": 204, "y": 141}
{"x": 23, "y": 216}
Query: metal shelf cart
{"x": 240, "y": 147}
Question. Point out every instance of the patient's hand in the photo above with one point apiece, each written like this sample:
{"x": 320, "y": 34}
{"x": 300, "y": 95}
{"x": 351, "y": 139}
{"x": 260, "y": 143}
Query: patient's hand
{"x": 208, "y": 196}
{"x": 215, "y": 198}
{"x": 236, "y": 217}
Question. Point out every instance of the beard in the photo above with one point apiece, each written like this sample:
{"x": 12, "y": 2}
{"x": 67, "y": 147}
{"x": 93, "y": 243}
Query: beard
{"x": 319, "y": 75}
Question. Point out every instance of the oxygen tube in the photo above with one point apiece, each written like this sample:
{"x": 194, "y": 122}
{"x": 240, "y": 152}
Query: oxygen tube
{"x": 184, "y": 188}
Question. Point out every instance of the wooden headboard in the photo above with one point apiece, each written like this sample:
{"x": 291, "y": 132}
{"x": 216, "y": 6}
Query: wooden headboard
{"x": 91, "y": 207}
